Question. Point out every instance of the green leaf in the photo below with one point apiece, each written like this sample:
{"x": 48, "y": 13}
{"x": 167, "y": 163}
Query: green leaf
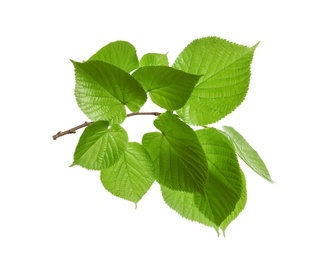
{"x": 247, "y": 153}
{"x": 131, "y": 176}
{"x": 225, "y": 67}
{"x": 238, "y": 207}
{"x": 177, "y": 155}
{"x": 154, "y": 59}
{"x": 184, "y": 204}
{"x": 224, "y": 186}
{"x": 225, "y": 189}
{"x": 103, "y": 89}
{"x": 99, "y": 146}
{"x": 120, "y": 53}
{"x": 169, "y": 88}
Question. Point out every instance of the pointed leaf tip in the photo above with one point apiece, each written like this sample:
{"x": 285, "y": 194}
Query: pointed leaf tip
{"x": 154, "y": 59}
{"x": 121, "y": 54}
{"x": 225, "y": 183}
{"x": 238, "y": 207}
{"x": 131, "y": 176}
{"x": 225, "y": 194}
{"x": 247, "y": 153}
{"x": 184, "y": 204}
{"x": 225, "y": 67}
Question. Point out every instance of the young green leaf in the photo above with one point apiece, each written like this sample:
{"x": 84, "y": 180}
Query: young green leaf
{"x": 225, "y": 67}
{"x": 99, "y": 146}
{"x": 103, "y": 89}
{"x": 169, "y": 88}
{"x": 184, "y": 204}
{"x": 238, "y": 207}
{"x": 225, "y": 188}
{"x": 153, "y": 59}
{"x": 120, "y": 53}
{"x": 177, "y": 154}
{"x": 225, "y": 183}
{"x": 247, "y": 153}
{"x": 131, "y": 176}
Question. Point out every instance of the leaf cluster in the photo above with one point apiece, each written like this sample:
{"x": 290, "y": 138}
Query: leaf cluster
{"x": 198, "y": 170}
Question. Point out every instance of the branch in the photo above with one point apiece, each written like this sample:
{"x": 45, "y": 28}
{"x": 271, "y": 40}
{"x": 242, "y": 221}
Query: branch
{"x": 85, "y": 124}
{"x": 144, "y": 114}
{"x": 71, "y": 131}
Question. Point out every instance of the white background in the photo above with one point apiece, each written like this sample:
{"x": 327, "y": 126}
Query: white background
{"x": 52, "y": 211}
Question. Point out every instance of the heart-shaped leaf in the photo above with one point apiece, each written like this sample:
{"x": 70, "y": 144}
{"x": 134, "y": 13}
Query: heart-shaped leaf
{"x": 225, "y": 67}
{"x": 102, "y": 91}
{"x": 131, "y": 176}
{"x": 177, "y": 154}
{"x": 99, "y": 146}
{"x": 224, "y": 185}
{"x": 168, "y": 88}
{"x": 225, "y": 193}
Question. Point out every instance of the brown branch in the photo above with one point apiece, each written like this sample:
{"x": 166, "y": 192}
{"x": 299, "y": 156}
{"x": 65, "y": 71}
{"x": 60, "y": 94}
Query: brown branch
{"x": 85, "y": 124}
{"x": 144, "y": 113}
{"x": 71, "y": 131}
